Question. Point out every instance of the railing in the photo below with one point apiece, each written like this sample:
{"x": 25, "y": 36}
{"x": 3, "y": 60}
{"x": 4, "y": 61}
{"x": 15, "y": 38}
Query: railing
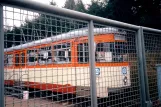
{"x": 89, "y": 78}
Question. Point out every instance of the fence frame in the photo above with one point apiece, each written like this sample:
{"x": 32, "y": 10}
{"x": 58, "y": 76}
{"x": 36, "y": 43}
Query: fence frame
{"x": 47, "y": 9}
{"x": 92, "y": 65}
{"x": 145, "y": 98}
{"x": 1, "y": 58}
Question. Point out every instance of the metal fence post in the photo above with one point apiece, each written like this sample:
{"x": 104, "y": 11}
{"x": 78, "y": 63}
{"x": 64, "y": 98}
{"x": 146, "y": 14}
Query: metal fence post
{"x": 1, "y": 58}
{"x": 92, "y": 65}
{"x": 145, "y": 99}
{"x": 148, "y": 101}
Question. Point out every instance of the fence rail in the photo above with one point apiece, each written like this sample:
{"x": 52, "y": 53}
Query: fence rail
{"x": 59, "y": 56}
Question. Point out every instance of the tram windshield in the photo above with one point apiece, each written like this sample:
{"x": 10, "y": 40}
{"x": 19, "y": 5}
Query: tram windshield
{"x": 111, "y": 52}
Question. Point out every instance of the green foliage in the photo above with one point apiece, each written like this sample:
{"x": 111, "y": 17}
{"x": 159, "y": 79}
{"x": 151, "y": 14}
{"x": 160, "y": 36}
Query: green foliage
{"x": 97, "y": 8}
{"x": 119, "y": 10}
{"x": 147, "y": 13}
{"x": 70, "y": 4}
{"x": 75, "y": 5}
{"x": 138, "y": 12}
{"x": 80, "y": 6}
{"x": 53, "y": 3}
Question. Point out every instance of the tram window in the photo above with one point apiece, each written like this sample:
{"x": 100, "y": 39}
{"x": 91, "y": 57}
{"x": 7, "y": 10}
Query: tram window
{"x": 62, "y": 53}
{"x": 32, "y": 57}
{"x": 83, "y": 54}
{"x": 5, "y": 60}
{"x": 111, "y": 52}
{"x": 22, "y": 61}
{"x": 45, "y": 55}
{"x": 8, "y": 60}
{"x": 17, "y": 60}
{"x": 120, "y": 47}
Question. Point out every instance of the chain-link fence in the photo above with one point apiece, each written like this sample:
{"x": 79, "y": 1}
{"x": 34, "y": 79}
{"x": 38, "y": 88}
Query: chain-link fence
{"x": 56, "y": 57}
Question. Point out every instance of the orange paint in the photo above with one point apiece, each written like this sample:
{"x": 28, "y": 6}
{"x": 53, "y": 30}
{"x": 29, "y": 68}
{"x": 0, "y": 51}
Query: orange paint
{"x": 51, "y": 87}
{"x": 101, "y": 64}
{"x": 46, "y": 86}
{"x": 74, "y": 62}
{"x": 74, "y": 58}
{"x": 9, "y": 82}
{"x": 104, "y": 38}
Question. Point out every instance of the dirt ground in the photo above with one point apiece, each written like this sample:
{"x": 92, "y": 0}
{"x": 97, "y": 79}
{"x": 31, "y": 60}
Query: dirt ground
{"x": 36, "y": 102}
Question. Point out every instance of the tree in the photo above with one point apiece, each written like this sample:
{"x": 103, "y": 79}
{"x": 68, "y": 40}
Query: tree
{"x": 138, "y": 12}
{"x": 53, "y": 3}
{"x": 120, "y": 10}
{"x": 40, "y": 27}
{"x": 96, "y": 8}
{"x": 80, "y": 6}
{"x": 131, "y": 11}
{"x": 70, "y": 4}
{"x": 148, "y": 13}
{"x": 75, "y": 5}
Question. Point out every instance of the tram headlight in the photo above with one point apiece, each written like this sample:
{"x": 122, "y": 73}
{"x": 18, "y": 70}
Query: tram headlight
{"x": 125, "y": 80}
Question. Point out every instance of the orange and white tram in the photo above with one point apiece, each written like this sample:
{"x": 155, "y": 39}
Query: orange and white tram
{"x": 61, "y": 63}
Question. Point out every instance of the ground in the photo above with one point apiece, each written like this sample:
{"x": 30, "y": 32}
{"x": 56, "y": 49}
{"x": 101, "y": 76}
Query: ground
{"x": 36, "y": 102}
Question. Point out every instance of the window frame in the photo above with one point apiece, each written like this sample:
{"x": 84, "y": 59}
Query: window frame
{"x": 27, "y": 59}
{"x": 114, "y": 54}
{"x": 22, "y": 59}
{"x": 17, "y": 64}
{"x": 48, "y": 50}
{"x": 68, "y": 47}
{"x": 84, "y": 52}
{"x": 6, "y": 64}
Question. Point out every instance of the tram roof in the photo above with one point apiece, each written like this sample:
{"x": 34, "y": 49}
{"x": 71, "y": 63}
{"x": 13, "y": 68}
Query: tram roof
{"x": 64, "y": 36}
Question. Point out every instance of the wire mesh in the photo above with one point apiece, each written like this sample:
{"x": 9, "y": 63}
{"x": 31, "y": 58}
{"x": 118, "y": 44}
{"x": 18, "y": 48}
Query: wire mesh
{"x": 46, "y": 60}
{"x": 152, "y": 54}
{"x": 116, "y": 58}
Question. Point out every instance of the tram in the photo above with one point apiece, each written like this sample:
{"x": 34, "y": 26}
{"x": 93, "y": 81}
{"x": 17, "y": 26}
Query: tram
{"x": 60, "y": 63}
